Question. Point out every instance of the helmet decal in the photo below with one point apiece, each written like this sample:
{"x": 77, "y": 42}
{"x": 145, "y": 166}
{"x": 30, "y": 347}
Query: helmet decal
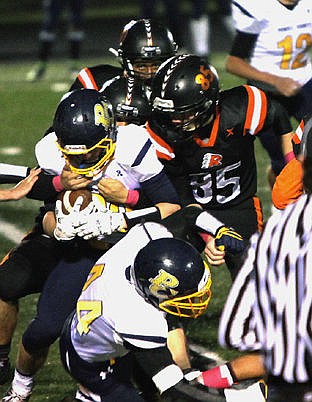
{"x": 101, "y": 115}
{"x": 204, "y": 78}
{"x": 176, "y": 61}
{"x": 130, "y": 84}
{"x": 163, "y": 285}
{"x": 170, "y": 274}
{"x": 148, "y": 33}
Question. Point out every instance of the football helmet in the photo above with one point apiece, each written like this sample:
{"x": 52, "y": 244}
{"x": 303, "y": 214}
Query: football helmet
{"x": 145, "y": 42}
{"x": 128, "y": 98}
{"x": 185, "y": 92}
{"x": 85, "y": 127}
{"x": 171, "y": 274}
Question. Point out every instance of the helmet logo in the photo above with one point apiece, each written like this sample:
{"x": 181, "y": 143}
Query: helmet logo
{"x": 162, "y": 286}
{"x": 204, "y": 78}
{"x": 101, "y": 115}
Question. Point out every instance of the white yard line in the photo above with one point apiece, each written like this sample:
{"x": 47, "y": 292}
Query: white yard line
{"x": 11, "y": 231}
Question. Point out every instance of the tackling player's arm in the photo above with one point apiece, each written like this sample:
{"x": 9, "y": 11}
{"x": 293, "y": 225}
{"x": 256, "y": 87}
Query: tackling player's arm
{"x": 167, "y": 376}
{"x": 22, "y": 188}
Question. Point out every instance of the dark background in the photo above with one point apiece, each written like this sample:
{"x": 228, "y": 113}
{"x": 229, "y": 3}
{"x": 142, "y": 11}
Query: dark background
{"x": 20, "y": 22}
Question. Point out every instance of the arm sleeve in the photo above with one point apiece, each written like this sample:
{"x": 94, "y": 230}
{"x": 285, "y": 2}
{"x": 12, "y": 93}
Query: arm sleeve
{"x": 157, "y": 363}
{"x": 12, "y": 173}
{"x": 160, "y": 189}
{"x": 243, "y": 45}
{"x": 183, "y": 221}
{"x": 288, "y": 185}
{"x": 180, "y": 180}
{"x": 278, "y": 118}
{"x": 43, "y": 189}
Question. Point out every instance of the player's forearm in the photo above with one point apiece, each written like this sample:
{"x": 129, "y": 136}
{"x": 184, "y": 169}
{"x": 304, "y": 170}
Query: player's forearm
{"x": 241, "y": 68}
{"x": 167, "y": 209}
{"x": 49, "y": 223}
{"x": 7, "y": 195}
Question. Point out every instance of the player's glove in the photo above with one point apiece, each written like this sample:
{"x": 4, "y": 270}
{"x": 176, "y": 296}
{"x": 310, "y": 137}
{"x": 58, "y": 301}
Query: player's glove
{"x": 65, "y": 229}
{"x": 227, "y": 239}
{"x": 100, "y": 223}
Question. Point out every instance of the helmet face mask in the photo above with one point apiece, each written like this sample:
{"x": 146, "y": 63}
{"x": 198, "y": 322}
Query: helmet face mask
{"x": 85, "y": 127}
{"x": 171, "y": 275}
{"x": 89, "y": 162}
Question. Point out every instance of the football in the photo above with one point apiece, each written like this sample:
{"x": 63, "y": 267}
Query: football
{"x": 69, "y": 197}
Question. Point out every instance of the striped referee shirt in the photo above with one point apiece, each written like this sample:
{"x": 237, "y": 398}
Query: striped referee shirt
{"x": 269, "y": 307}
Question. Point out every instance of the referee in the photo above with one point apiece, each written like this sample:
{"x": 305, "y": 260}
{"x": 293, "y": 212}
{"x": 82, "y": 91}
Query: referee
{"x": 269, "y": 307}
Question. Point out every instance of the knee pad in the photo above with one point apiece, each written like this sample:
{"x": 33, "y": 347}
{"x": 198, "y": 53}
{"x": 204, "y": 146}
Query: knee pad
{"x": 39, "y": 336}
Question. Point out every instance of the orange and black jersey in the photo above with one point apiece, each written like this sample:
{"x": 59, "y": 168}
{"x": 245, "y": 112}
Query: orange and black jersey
{"x": 95, "y": 77}
{"x": 220, "y": 170}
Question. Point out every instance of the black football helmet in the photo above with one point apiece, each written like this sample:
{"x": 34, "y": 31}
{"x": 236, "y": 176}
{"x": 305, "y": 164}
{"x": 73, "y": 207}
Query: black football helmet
{"x": 128, "y": 98}
{"x": 85, "y": 127}
{"x": 185, "y": 92}
{"x": 171, "y": 274}
{"x": 145, "y": 41}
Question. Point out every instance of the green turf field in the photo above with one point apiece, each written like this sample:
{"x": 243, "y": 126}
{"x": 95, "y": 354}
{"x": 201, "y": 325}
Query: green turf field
{"x": 26, "y": 111}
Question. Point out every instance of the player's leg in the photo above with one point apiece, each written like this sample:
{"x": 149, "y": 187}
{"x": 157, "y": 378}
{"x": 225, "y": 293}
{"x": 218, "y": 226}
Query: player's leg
{"x": 22, "y": 272}
{"x": 56, "y": 302}
{"x": 112, "y": 382}
{"x": 76, "y": 32}
{"x": 51, "y": 12}
{"x": 8, "y": 321}
{"x": 200, "y": 29}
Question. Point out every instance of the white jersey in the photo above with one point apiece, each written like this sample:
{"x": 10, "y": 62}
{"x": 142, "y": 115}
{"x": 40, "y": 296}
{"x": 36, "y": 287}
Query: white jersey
{"x": 109, "y": 310}
{"x": 284, "y": 36}
{"x": 134, "y": 162}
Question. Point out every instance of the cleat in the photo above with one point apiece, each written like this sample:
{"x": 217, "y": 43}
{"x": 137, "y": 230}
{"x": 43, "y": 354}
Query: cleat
{"x": 36, "y": 73}
{"x": 5, "y": 371}
{"x": 12, "y": 396}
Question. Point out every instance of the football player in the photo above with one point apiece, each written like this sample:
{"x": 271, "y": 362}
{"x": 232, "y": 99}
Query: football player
{"x": 271, "y": 51}
{"x": 87, "y": 139}
{"x": 205, "y": 139}
{"x": 288, "y": 186}
{"x": 144, "y": 45}
{"x": 156, "y": 275}
{"x": 129, "y": 100}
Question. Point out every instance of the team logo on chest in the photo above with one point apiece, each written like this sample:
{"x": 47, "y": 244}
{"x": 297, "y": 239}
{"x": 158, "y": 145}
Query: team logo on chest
{"x": 210, "y": 160}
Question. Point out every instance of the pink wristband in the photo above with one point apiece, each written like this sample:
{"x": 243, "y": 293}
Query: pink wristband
{"x": 290, "y": 156}
{"x": 205, "y": 236}
{"x": 132, "y": 197}
{"x": 56, "y": 181}
{"x": 218, "y": 377}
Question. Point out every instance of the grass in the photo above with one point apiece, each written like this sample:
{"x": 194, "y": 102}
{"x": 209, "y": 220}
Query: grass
{"x": 26, "y": 111}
